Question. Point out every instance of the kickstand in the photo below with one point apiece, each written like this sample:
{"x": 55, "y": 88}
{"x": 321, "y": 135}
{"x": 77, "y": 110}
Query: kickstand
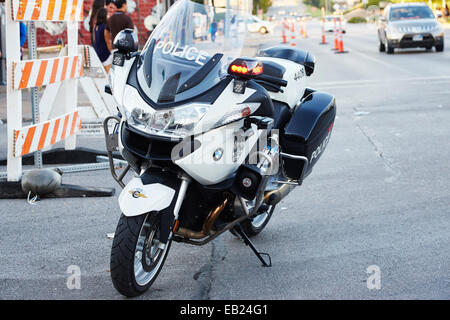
{"x": 238, "y": 229}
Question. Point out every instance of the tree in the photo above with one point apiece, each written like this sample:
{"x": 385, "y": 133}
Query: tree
{"x": 261, "y": 4}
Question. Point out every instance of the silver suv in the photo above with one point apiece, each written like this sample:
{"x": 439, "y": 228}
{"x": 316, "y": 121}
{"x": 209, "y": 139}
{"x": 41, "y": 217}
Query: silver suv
{"x": 409, "y": 25}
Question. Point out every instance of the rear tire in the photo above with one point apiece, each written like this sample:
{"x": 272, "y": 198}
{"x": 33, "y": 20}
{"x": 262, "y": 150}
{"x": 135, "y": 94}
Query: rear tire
{"x": 136, "y": 258}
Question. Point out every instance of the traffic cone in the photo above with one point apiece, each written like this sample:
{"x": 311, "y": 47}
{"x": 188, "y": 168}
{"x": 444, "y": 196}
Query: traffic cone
{"x": 305, "y": 34}
{"x": 341, "y": 39}
{"x": 293, "y": 35}
{"x": 324, "y": 41}
{"x": 283, "y": 32}
{"x": 336, "y": 41}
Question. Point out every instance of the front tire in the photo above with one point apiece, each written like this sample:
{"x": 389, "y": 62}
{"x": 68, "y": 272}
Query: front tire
{"x": 255, "y": 225}
{"x": 137, "y": 255}
{"x": 440, "y": 47}
{"x": 381, "y": 47}
{"x": 263, "y": 30}
{"x": 389, "y": 49}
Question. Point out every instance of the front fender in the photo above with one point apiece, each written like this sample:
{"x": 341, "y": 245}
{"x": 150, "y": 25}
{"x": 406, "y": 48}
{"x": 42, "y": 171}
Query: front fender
{"x": 137, "y": 198}
{"x": 154, "y": 191}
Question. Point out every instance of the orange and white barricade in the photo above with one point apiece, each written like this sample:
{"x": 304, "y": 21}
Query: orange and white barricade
{"x": 38, "y": 72}
{"x": 38, "y": 136}
{"x": 47, "y": 10}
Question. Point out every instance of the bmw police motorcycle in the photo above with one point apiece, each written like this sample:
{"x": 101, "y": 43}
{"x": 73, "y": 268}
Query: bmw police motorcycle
{"x": 215, "y": 139}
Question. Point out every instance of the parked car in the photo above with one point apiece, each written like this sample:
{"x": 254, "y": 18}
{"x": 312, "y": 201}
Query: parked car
{"x": 255, "y": 24}
{"x": 329, "y": 23}
{"x": 409, "y": 25}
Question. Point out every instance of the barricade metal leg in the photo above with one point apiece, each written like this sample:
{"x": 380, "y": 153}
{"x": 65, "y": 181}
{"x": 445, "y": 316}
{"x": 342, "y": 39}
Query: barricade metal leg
{"x": 32, "y": 52}
{"x": 13, "y": 97}
{"x": 70, "y": 87}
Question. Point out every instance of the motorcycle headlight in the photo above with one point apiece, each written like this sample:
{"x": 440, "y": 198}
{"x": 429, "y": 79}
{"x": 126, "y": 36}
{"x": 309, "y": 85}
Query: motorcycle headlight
{"x": 178, "y": 122}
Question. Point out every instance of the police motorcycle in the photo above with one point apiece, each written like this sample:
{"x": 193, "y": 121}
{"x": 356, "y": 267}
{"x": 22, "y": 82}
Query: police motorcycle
{"x": 215, "y": 139}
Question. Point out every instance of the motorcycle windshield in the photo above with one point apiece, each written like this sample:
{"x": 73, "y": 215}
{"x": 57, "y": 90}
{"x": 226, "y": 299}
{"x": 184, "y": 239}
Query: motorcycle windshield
{"x": 189, "y": 50}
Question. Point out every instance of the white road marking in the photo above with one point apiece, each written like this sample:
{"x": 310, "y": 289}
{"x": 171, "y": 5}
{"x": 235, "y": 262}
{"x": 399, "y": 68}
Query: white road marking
{"x": 389, "y": 65}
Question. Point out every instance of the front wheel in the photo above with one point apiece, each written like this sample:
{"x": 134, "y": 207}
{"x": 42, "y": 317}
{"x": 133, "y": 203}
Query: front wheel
{"x": 255, "y": 225}
{"x": 439, "y": 47}
{"x": 388, "y": 47}
{"x": 381, "y": 46}
{"x": 137, "y": 255}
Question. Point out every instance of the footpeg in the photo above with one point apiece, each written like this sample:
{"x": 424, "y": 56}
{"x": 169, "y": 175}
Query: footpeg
{"x": 238, "y": 229}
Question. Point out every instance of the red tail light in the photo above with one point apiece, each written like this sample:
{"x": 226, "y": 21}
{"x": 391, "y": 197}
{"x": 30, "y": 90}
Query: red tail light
{"x": 246, "y": 68}
{"x": 239, "y": 69}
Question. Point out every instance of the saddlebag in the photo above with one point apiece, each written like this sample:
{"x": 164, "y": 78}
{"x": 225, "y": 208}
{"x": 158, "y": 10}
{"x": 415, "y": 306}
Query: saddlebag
{"x": 306, "y": 135}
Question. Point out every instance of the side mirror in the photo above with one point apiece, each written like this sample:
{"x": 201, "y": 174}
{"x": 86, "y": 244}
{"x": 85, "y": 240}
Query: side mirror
{"x": 126, "y": 41}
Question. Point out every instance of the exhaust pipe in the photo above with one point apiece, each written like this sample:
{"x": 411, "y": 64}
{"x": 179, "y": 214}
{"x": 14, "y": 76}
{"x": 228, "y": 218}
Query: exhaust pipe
{"x": 273, "y": 197}
{"x": 207, "y": 226}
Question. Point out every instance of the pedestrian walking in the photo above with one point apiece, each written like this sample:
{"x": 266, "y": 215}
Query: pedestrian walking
{"x": 119, "y": 21}
{"x": 213, "y": 30}
{"x": 100, "y": 46}
{"x": 23, "y": 37}
{"x": 96, "y": 6}
{"x": 111, "y": 7}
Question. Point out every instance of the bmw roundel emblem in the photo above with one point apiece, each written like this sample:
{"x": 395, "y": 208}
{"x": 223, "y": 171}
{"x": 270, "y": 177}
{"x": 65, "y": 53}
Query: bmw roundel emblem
{"x": 218, "y": 154}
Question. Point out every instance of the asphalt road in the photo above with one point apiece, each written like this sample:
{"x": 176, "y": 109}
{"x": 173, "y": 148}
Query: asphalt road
{"x": 378, "y": 198}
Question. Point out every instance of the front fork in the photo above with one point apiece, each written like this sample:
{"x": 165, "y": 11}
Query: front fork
{"x": 185, "y": 180}
{"x": 169, "y": 216}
